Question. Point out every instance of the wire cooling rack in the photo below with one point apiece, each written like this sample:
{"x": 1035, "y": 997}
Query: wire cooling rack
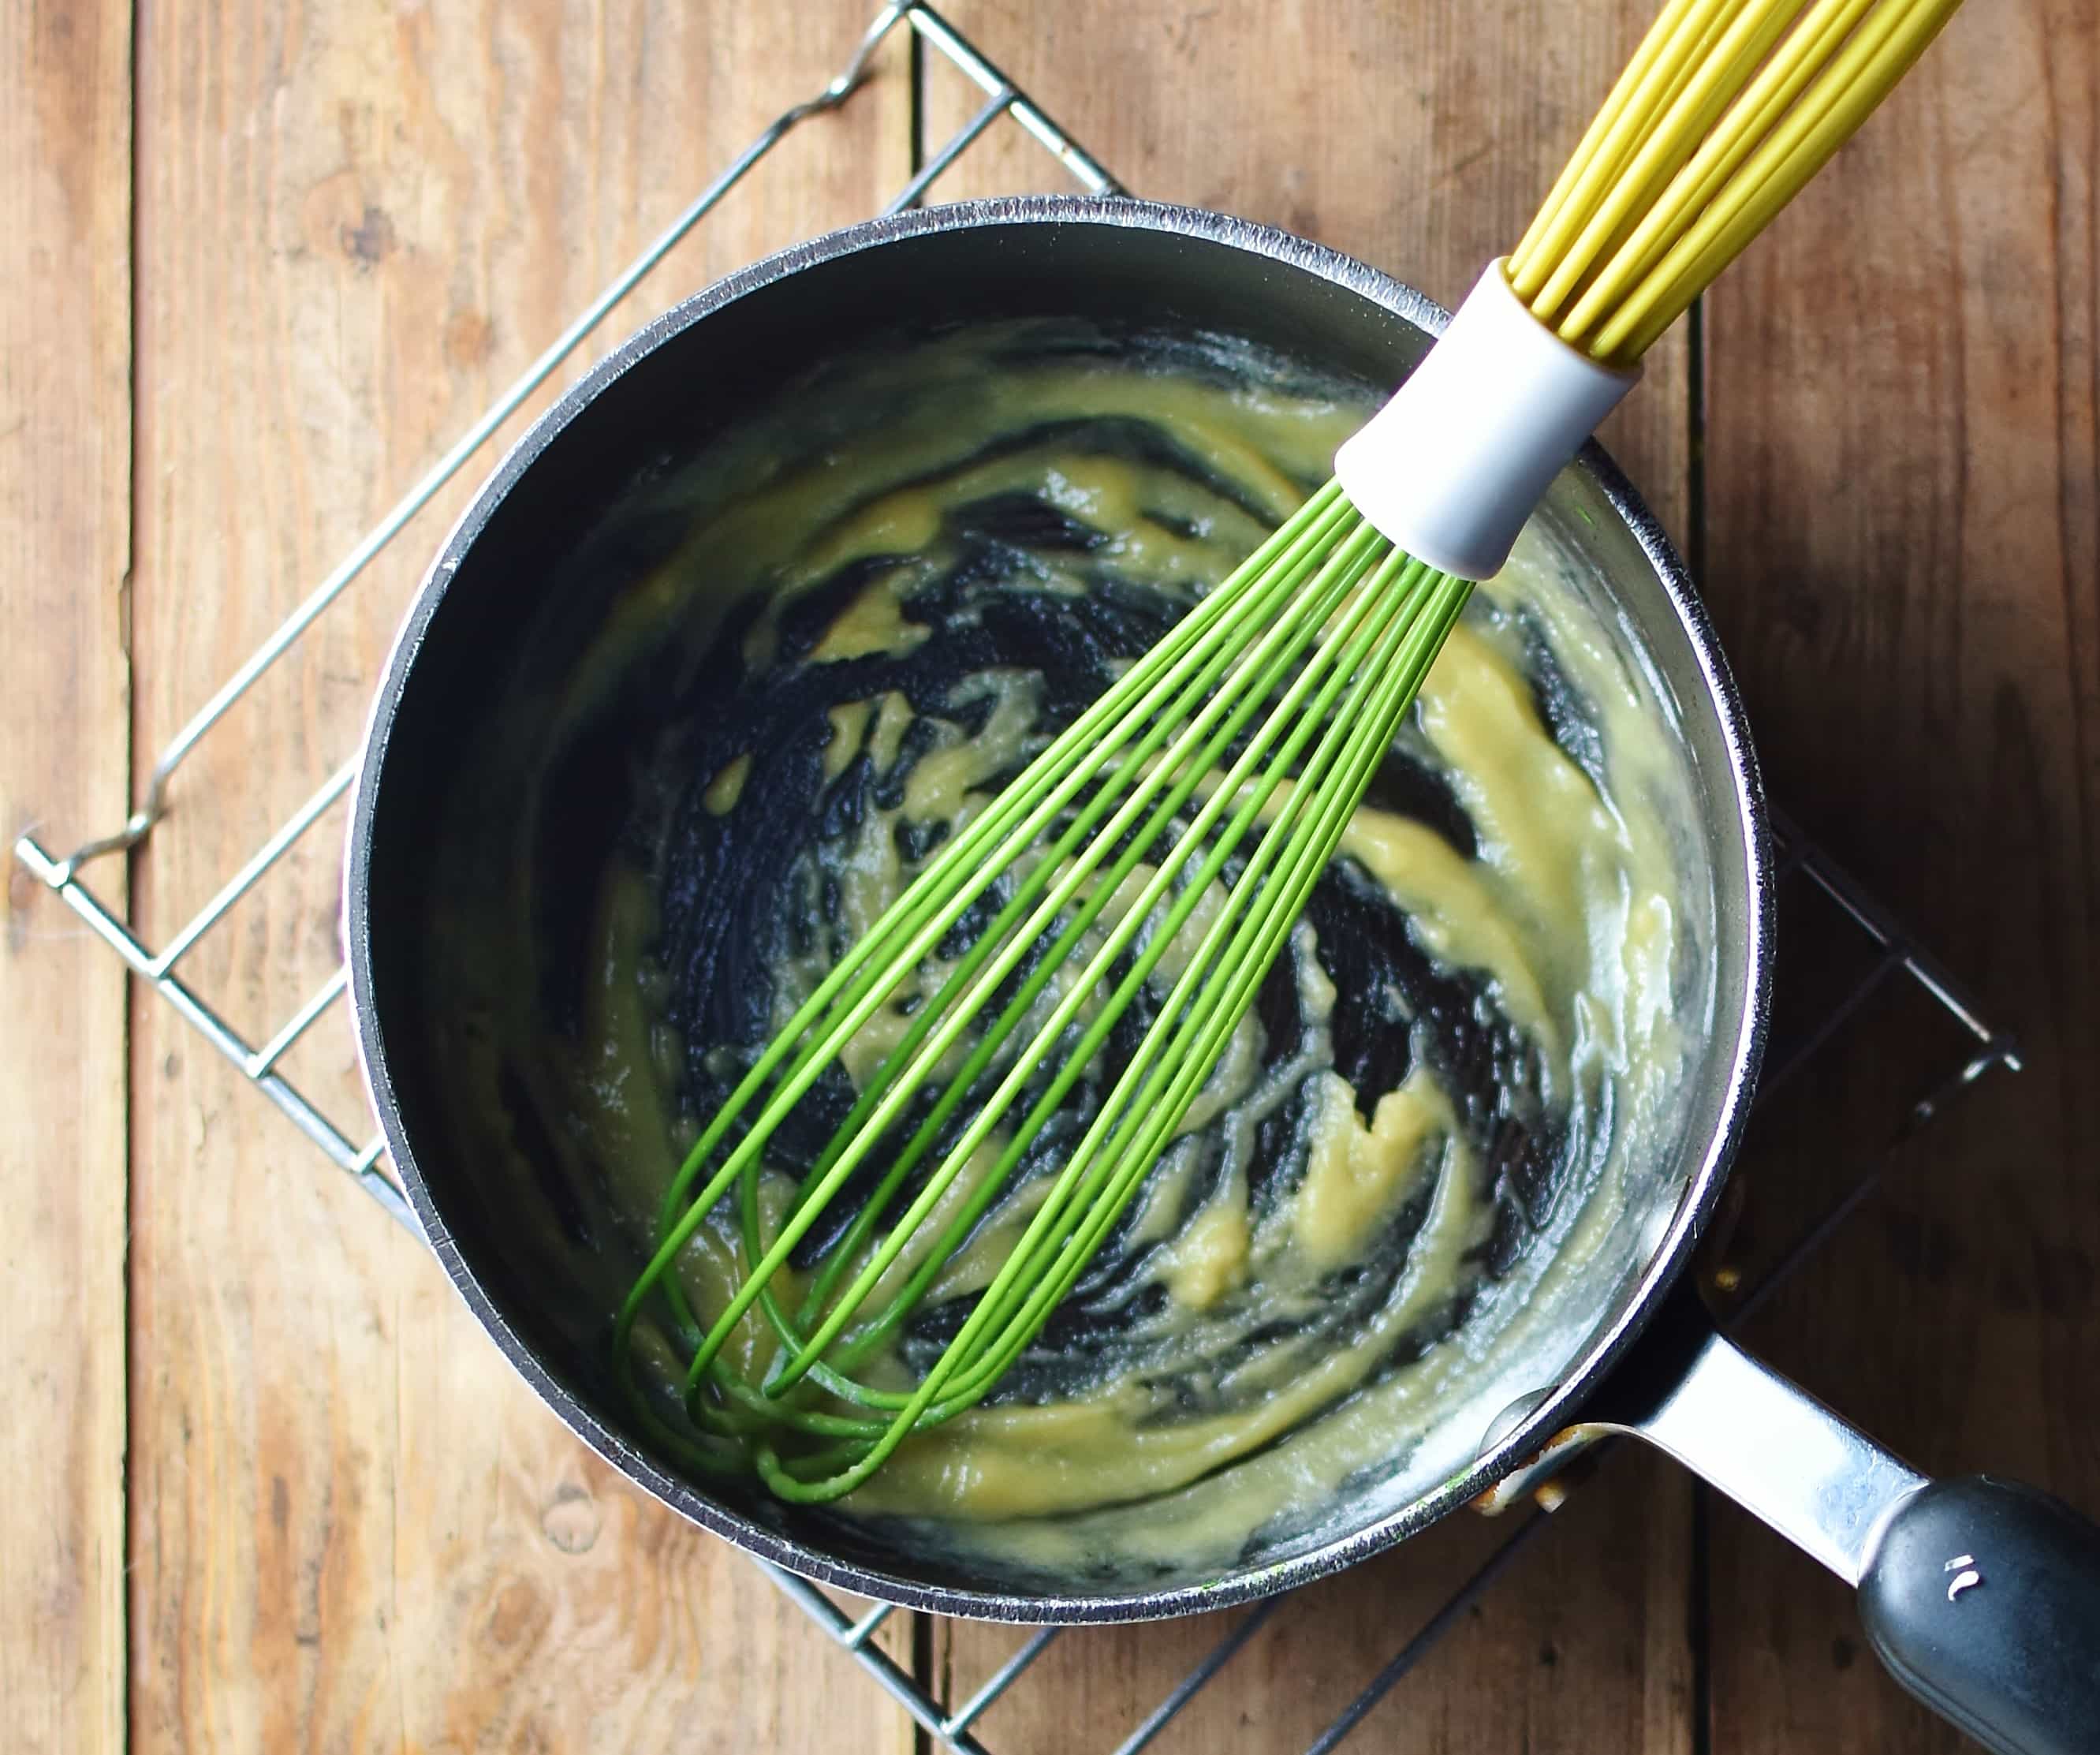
{"x": 1856, "y": 952}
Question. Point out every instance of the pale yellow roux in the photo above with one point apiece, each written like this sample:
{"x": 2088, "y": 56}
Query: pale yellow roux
{"x": 1210, "y": 1256}
{"x": 1356, "y": 1172}
{"x": 726, "y": 787}
{"x": 872, "y": 623}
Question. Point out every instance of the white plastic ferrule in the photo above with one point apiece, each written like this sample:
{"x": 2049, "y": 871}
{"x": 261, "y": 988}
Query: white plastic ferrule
{"x": 1451, "y": 467}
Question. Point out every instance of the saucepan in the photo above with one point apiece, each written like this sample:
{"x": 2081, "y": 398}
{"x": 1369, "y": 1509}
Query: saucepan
{"x": 1982, "y": 1596}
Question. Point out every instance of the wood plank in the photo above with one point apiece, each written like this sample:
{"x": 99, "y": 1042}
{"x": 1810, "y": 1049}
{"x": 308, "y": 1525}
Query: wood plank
{"x": 352, "y": 1526}
{"x": 1515, "y": 1671}
{"x": 1419, "y": 138}
{"x": 65, "y": 491}
{"x": 1904, "y": 512}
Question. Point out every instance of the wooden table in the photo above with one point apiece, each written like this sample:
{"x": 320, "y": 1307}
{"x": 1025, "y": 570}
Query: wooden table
{"x": 263, "y": 1485}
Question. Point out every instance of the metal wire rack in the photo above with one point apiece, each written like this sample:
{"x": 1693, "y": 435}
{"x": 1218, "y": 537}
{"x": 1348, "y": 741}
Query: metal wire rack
{"x": 1851, "y": 924}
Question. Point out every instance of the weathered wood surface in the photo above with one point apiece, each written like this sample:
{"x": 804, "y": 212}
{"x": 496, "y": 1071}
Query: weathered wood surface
{"x": 352, "y": 1526}
{"x": 1902, "y": 519}
{"x": 65, "y": 486}
{"x": 349, "y": 1526}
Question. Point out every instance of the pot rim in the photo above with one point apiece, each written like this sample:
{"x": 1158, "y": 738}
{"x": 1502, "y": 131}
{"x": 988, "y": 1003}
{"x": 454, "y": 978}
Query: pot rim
{"x": 1236, "y": 1586}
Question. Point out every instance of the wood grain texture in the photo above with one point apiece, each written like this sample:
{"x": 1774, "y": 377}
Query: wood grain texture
{"x": 1581, "y": 1644}
{"x": 1420, "y": 139}
{"x": 352, "y": 1528}
{"x": 65, "y": 486}
{"x": 1903, "y": 512}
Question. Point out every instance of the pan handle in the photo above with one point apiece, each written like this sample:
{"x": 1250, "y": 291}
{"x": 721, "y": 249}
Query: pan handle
{"x": 1981, "y": 1596}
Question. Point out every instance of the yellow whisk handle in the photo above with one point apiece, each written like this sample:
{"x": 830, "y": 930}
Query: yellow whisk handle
{"x": 1727, "y": 109}
{"x": 1857, "y": 81}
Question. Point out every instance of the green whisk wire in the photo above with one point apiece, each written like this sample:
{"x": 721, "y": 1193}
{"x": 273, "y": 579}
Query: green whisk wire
{"x": 1324, "y": 627}
{"x": 843, "y": 1157}
{"x": 1191, "y": 773}
{"x": 1205, "y": 1005}
{"x": 1351, "y": 562}
{"x": 851, "y": 993}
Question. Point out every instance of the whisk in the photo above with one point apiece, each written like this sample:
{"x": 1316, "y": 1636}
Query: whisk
{"x": 1222, "y": 766}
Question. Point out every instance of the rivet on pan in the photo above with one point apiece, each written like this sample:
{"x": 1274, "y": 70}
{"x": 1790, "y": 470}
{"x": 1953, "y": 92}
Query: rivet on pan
{"x": 1510, "y": 1418}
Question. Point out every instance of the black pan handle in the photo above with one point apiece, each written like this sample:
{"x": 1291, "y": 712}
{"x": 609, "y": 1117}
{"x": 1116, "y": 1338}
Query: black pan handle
{"x": 1981, "y": 1596}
